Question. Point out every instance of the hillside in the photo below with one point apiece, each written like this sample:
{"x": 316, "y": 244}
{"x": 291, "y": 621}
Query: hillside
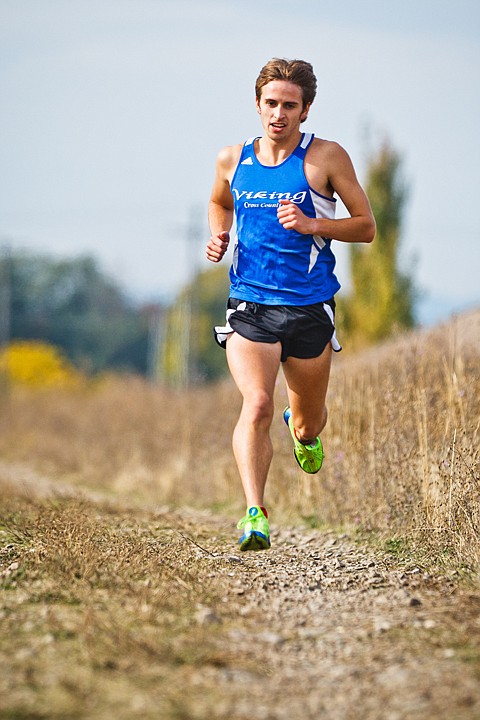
{"x": 123, "y": 594}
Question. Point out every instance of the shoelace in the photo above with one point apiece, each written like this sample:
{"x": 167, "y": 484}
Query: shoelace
{"x": 247, "y": 518}
{"x": 241, "y": 523}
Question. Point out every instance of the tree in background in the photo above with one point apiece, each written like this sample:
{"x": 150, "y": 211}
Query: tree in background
{"x": 188, "y": 351}
{"x": 381, "y": 300}
{"x": 72, "y": 305}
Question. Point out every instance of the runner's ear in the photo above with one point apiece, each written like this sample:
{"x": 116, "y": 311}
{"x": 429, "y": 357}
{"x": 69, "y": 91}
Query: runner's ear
{"x": 304, "y": 114}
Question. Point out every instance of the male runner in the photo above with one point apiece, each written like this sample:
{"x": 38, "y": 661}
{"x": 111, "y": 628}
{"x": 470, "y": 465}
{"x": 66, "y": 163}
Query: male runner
{"x": 281, "y": 187}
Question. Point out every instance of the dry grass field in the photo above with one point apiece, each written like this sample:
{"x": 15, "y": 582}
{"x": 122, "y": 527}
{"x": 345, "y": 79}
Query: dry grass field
{"x": 117, "y": 538}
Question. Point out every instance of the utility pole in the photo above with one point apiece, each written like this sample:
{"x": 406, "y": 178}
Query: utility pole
{"x": 193, "y": 238}
{"x": 187, "y": 305}
{"x": 156, "y": 332}
{"x": 172, "y": 352}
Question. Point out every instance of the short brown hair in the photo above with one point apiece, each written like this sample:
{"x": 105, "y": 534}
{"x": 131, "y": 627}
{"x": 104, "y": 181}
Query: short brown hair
{"x": 295, "y": 71}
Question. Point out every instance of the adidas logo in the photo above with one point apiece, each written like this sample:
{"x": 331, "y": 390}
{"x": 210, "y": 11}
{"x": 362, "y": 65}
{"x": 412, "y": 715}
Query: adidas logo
{"x": 247, "y": 161}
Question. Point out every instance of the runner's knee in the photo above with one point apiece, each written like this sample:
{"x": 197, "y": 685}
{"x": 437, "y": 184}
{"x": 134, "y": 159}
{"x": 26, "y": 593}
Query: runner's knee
{"x": 259, "y": 408}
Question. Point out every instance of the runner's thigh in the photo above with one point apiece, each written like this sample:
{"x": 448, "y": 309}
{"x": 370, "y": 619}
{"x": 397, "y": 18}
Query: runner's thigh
{"x": 307, "y": 384}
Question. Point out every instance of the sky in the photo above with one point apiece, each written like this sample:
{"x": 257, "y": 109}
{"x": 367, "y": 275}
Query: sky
{"x": 112, "y": 113}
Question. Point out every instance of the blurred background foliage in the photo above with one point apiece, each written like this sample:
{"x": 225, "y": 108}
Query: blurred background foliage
{"x": 73, "y": 306}
{"x": 37, "y": 364}
{"x": 189, "y": 353}
{"x": 383, "y": 294}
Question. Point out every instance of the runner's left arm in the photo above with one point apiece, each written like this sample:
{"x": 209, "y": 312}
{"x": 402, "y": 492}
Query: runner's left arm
{"x": 359, "y": 227}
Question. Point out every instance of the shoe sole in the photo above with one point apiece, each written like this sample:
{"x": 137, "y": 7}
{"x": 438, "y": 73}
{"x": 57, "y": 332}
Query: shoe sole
{"x": 255, "y": 541}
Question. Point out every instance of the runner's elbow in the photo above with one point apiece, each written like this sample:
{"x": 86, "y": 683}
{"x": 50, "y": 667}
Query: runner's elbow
{"x": 369, "y": 230}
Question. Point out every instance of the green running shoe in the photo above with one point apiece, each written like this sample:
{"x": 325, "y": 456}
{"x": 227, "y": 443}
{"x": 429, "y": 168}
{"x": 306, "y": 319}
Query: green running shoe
{"x": 309, "y": 457}
{"x": 256, "y": 533}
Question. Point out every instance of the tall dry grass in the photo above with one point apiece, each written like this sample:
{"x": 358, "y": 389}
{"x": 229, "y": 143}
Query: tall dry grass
{"x": 401, "y": 443}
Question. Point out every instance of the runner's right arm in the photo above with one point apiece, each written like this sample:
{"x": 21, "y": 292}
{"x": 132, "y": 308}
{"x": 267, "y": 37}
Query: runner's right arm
{"x": 221, "y": 208}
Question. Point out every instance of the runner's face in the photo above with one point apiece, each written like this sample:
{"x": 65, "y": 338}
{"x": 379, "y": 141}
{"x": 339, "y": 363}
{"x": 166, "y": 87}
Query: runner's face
{"x": 281, "y": 109}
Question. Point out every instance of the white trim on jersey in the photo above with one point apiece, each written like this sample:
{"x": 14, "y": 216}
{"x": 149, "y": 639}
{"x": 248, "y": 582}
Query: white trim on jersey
{"x": 306, "y": 139}
{"x": 323, "y": 206}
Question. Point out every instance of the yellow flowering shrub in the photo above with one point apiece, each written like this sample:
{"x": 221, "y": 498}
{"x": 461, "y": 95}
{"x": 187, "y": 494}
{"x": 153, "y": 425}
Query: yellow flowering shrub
{"x": 37, "y": 364}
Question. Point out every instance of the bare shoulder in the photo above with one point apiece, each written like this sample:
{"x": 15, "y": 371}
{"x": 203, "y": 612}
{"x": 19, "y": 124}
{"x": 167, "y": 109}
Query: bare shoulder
{"x": 325, "y": 162}
{"x": 228, "y": 157}
{"x": 327, "y": 151}
{"x": 329, "y": 170}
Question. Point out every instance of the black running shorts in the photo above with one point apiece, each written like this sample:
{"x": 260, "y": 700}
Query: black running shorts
{"x": 303, "y": 330}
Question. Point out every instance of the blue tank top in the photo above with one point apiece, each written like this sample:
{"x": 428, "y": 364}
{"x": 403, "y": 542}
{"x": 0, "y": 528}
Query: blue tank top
{"x": 271, "y": 265}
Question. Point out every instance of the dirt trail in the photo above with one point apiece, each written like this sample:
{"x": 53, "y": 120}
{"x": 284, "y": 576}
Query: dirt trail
{"x": 318, "y": 627}
{"x": 346, "y": 635}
